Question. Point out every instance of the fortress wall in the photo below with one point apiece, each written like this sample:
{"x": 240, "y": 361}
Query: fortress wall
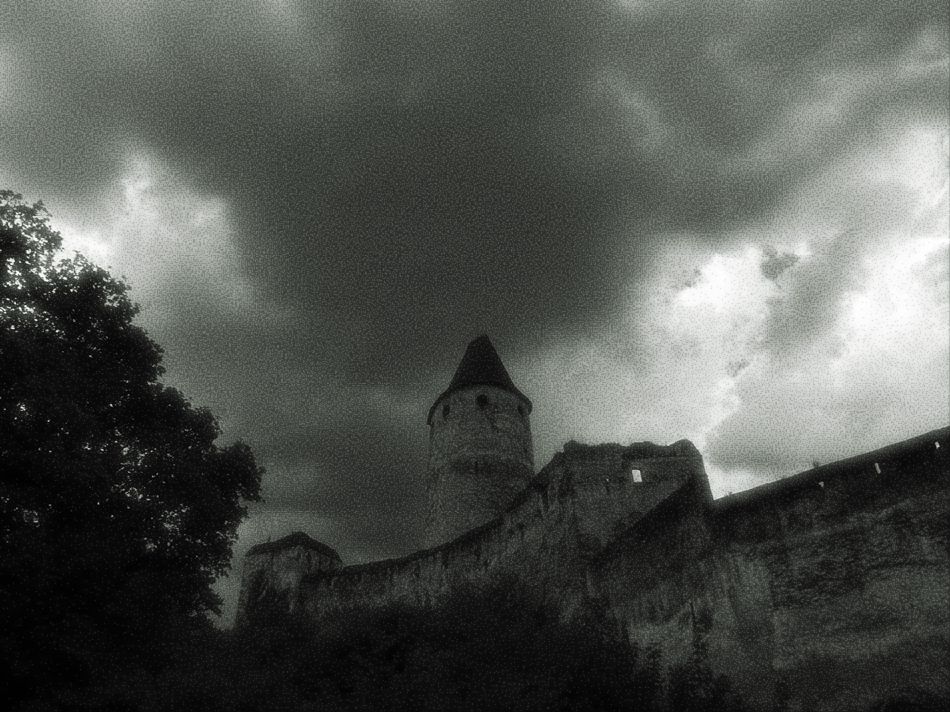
{"x": 272, "y": 575}
{"x": 650, "y": 577}
{"x": 610, "y": 497}
{"x": 545, "y": 538}
{"x": 534, "y": 540}
{"x": 834, "y": 583}
{"x": 480, "y": 459}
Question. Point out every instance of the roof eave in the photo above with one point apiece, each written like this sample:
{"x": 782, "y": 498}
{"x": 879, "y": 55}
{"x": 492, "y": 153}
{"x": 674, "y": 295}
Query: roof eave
{"x": 452, "y": 389}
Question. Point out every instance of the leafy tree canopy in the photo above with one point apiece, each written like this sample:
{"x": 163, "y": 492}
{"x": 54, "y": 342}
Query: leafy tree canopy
{"x": 117, "y": 508}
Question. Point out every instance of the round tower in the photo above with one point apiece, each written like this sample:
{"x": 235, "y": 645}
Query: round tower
{"x": 480, "y": 452}
{"x": 270, "y": 583}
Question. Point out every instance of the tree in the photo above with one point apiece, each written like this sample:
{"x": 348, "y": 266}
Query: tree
{"x": 117, "y": 508}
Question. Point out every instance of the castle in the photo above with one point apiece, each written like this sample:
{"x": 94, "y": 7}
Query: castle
{"x": 833, "y": 584}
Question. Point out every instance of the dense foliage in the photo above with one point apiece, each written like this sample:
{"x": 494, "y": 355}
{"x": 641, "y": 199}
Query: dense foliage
{"x": 117, "y": 509}
{"x": 495, "y": 649}
{"x": 498, "y": 648}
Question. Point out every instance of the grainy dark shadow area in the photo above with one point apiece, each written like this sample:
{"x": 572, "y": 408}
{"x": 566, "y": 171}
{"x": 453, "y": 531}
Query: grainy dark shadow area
{"x": 688, "y": 261}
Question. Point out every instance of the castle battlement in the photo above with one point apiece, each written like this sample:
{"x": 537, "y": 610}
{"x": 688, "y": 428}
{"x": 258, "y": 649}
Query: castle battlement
{"x": 557, "y": 522}
{"x": 833, "y": 583}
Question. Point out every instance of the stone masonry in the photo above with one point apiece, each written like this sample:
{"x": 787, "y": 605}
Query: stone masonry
{"x": 830, "y": 588}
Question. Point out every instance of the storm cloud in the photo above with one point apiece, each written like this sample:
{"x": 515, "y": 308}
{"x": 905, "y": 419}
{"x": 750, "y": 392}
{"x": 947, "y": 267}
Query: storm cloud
{"x": 660, "y": 211}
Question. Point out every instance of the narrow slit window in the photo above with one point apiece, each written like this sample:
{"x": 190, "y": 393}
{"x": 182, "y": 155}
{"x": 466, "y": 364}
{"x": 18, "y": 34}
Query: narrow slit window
{"x": 936, "y": 444}
{"x": 877, "y": 467}
{"x": 636, "y": 475}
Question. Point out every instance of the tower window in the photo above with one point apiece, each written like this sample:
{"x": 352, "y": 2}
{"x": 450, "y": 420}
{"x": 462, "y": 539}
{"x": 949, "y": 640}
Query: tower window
{"x": 636, "y": 475}
{"x": 446, "y": 410}
{"x": 482, "y": 401}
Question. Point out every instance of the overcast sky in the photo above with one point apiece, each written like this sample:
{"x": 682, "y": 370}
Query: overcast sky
{"x": 722, "y": 221}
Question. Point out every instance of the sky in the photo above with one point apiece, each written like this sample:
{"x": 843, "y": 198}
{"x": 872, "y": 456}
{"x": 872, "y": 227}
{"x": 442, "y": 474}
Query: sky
{"x": 724, "y": 221}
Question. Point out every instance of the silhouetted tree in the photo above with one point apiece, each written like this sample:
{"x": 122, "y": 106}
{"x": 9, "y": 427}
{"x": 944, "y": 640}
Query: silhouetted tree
{"x": 117, "y": 509}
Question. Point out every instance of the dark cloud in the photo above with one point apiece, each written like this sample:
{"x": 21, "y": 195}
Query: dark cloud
{"x": 775, "y": 263}
{"x": 810, "y": 302}
{"x": 355, "y": 453}
{"x": 402, "y": 176}
{"x": 854, "y": 349}
{"x": 407, "y": 174}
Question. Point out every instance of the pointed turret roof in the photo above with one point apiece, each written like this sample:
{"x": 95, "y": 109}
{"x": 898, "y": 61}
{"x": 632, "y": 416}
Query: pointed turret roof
{"x": 481, "y": 366}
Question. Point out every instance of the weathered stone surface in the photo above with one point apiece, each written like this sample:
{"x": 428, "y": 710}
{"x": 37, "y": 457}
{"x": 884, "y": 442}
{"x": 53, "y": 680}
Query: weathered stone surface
{"x": 273, "y": 572}
{"x": 480, "y": 451}
{"x": 546, "y": 537}
{"x": 480, "y": 459}
{"x": 833, "y": 584}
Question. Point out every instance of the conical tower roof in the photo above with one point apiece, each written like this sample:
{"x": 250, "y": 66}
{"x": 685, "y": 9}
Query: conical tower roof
{"x": 480, "y": 366}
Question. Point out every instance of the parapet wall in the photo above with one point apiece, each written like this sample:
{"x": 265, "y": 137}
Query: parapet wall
{"x": 614, "y": 487}
{"x": 545, "y": 537}
{"x": 832, "y": 585}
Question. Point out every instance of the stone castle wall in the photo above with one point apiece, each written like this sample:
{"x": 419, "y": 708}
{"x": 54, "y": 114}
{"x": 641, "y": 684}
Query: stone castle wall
{"x": 545, "y": 538}
{"x": 834, "y": 584}
{"x": 614, "y": 487}
{"x": 273, "y": 572}
{"x": 480, "y": 459}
